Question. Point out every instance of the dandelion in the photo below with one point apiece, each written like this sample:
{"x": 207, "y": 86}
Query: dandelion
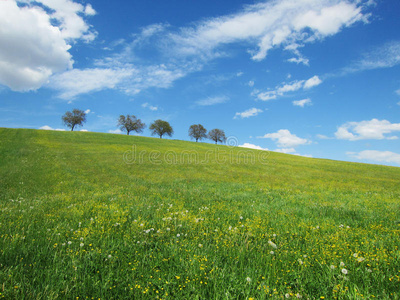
{"x": 300, "y": 261}
{"x": 241, "y": 218}
{"x": 274, "y": 235}
{"x": 272, "y": 252}
{"x": 298, "y": 296}
{"x": 355, "y": 255}
{"x": 248, "y": 279}
{"x": 332, "y": 267}
{"x": 168, "y": 229}
{"x": 342, "y": 264}
{"x": 69, "y": 242}
{"x": 369, "y": 270}
{"x": 287, "y": 296}
{"x": 272, "y": 244}
{"x": 81, "y": 244}
{"x": 178, "y": 235}
{"x": 360, "y": 259}
{"x": 344, "y": 271}
{"x": 200, "y": 245}
{"x": 109, "y": 255}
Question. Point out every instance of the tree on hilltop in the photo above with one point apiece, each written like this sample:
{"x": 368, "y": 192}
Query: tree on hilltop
{"x": 217, "y": 135}
{"x": 160, "y": 127}
{"x": 197, "y": 132}
{"x": 130, "y": 123}
{"x": 75, "y": 118}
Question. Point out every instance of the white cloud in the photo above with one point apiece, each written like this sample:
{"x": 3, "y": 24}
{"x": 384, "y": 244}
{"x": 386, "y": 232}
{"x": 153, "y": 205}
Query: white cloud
{"x": 302, "y": 103}
{"x": 87, "y": 111}
{"x": 151, "y": 107}
{"x": 270, "y": 24}
{"x": 385, "y": 56}
{"x": 72, "y": 83}
{"x": 323, "y": 137}
{"x": 398, "y": 93}
{"x": 116, "y": 131}
{"x": 252, "y": 146}
{"x": 313, "y": 81}
{"x": 379, "y": 156}
{"x": 251, "y": 83}
{"x": 46, "y": 127}
{"x": 251, "y": 112}
{"x": 299, "y": 60}
{"x": 212, "y": 100}
{"x": 286, "y": 150}
{"x": 84, "y": 130}
{"x": 285, "y": 139}
{"x": 373, "y": 129}
{"x": 287, "y": 88}
{"x": 33, "y": 47}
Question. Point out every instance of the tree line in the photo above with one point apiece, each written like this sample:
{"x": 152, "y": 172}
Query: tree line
{"x": 130, "y": 123}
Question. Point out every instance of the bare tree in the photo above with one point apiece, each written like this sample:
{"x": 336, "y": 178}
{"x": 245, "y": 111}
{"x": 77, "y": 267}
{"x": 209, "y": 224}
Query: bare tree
{"x": 197, "y": 132}
{"x": 75, "y": 118}
{"x": 217, "y": 135}
{"x": 130, "y": 123}
{"x": 160, "y": 127}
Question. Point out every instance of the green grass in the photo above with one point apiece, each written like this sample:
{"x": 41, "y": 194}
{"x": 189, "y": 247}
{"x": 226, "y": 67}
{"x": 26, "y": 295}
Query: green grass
{"x": 82, "y": 216}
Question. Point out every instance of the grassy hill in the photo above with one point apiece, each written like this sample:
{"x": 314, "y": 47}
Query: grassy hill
{"x": 94, "y": 215}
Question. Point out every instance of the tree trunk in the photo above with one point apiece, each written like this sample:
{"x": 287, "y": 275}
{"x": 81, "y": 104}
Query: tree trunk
{"x": 127, "y": 132}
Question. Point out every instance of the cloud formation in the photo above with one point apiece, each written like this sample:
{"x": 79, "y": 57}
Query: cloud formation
{"x": 302, "y": 103}
{"x": 271, "y": 24}
{"x": 252, "y": 146}
{"x": 378, "y": 156}
{"x": 285, "y": 139}
{"x": 374, "y": 129}
{"x": 251, "y": 112}
{"x": 287, "y": 88}
{"x": 212, "y": 100}
{"x": 33, "y": 47}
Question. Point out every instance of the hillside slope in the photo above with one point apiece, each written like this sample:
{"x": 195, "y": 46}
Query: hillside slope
{"x": 127, "y": 216}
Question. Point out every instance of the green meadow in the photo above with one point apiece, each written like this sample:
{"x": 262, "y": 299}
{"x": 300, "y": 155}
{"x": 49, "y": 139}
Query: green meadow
{"x": 101, "y": 216}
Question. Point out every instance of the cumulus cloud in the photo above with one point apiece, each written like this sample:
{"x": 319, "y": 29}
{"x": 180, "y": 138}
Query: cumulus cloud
{"x": 287, "y": 88}
{"x": 33, "y": 47}
{"x": 286, "y": 150}
{"x": 252, "y": 146}
{"x": 251, "y": 112}
{"x": 212, "y": 100}
{"x": 285, "y": 139}
{"x": 302, "y": 103}
{"x": 373, "y": 129}
{"x": 116, "y": 131}
{"x": 378, "y": 156}
{"x": 313, "y": 81}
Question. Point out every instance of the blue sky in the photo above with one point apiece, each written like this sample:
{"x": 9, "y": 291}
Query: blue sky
{"x": 317, "y": 78}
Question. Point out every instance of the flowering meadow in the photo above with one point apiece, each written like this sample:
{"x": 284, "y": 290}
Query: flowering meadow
{"x": 101, "y": 216}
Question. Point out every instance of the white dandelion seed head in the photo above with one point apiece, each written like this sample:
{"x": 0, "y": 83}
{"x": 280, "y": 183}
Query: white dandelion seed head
{"x": 332, "y": 267}
{"x": 355, "y": 255}
{"x": 345, "y": 272}
{"x": 248, "y": 279}
{"x": 342, "y": 264}
{"x": 81, "y": 244}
